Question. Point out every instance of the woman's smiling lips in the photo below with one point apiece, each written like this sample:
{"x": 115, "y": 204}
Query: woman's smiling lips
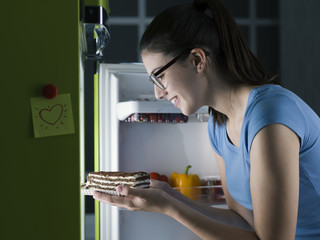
{"x": 174, "y": 101}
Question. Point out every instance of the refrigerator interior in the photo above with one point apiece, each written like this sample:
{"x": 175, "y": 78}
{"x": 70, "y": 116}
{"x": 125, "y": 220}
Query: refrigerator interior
{"x": 146, "y": 146}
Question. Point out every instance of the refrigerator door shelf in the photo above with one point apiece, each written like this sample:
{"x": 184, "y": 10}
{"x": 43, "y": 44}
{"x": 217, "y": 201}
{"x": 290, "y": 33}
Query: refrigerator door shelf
{"x": 126, "y": 109}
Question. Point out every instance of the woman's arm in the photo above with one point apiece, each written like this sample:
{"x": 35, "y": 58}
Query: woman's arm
{"x": 236, "y": 215}
{"x": 205, "y": 227}
{"x": 275, "y": 182}
{"x": 157, "y": 200}
{"x": 233, "y": 205}
{"x": 205, "y": 221}
{"x": 226, "y": 216}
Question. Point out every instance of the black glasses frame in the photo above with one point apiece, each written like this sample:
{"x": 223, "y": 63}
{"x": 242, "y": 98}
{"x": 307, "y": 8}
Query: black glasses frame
{"x": 154, "y": 77}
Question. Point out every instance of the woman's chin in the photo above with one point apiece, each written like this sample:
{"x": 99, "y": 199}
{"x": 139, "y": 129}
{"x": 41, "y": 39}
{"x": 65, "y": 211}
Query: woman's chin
{"x": 187, "y": 112}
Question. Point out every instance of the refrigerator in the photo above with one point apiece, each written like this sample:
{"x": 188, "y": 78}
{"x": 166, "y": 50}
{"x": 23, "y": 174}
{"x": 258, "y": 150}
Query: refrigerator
{"x": 40, "y": 196}
{"x": 136, "y": 132}
{"x": 44, "y": 43}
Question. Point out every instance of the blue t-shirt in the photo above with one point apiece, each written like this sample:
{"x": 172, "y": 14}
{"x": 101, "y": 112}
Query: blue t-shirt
{"x": 266, "y": 105}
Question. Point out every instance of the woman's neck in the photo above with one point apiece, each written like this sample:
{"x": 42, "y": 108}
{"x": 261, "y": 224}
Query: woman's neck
{"x": 228, "y": 98}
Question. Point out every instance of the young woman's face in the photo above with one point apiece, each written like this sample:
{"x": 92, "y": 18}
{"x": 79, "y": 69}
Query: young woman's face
{"x": 183, "y": 86}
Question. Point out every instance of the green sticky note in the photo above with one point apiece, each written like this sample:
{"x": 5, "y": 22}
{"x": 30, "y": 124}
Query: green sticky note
{"x": 52, "y": 117}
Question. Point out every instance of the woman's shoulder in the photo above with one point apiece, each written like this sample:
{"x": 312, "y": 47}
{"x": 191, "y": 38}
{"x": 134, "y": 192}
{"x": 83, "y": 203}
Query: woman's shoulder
{"x": 272, "y": 92}
{"x": 273, "y": 101}
{"x": 273, "y": 104}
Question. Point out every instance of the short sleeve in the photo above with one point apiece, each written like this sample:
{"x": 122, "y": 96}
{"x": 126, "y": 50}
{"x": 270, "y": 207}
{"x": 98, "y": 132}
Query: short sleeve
{"x": 269, "y": 112}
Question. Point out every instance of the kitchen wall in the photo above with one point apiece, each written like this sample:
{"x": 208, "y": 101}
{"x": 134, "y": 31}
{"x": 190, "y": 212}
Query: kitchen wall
{"x": 300, "y": 49}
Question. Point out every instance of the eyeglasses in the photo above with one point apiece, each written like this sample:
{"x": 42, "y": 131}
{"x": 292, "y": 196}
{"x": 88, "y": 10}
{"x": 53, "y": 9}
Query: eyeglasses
{"x": 154, "y": 77}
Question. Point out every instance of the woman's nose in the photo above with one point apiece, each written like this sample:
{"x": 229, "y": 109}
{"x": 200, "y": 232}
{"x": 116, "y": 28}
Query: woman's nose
{"x": 159, "y": 93}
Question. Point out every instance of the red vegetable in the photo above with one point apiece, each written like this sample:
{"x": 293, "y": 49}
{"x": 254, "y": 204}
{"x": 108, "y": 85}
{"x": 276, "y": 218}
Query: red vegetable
{"x": 155, "y": 175}
{"x": 164, "y": 178}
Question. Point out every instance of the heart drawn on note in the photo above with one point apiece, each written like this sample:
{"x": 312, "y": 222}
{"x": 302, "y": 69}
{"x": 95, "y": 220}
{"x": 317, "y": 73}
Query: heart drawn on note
{"x": 51, "y": 115}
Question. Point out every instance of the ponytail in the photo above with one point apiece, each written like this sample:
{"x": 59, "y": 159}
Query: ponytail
{"x": 238, "y": 58}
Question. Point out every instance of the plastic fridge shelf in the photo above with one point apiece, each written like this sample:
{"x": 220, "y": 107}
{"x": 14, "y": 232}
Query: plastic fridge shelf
{"x": 126, "y": 109}
{"x": 211, "y": 195}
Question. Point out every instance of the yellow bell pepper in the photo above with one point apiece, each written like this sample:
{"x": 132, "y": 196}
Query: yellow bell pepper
{"x": 185, "y": 184}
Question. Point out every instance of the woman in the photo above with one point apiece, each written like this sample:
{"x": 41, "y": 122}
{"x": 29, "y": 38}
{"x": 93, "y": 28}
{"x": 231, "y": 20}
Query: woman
{"x": 266, "y": 139}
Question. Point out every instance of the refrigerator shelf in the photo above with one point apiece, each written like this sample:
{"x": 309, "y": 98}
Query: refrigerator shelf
{"x": 211, "y": 195}
{"x": 157, "y": 118}
{"x": 126, "y": 109}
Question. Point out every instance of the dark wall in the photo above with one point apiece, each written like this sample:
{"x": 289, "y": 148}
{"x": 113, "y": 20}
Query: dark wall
{"x": 300, "y": 49}
{"x": 258, "y": 21}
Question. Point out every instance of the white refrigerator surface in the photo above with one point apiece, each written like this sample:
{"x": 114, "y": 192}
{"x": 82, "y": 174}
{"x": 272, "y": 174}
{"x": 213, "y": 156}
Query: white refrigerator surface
{"x": 150, "y": 147}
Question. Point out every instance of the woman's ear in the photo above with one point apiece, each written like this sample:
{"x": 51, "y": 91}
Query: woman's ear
{"x": 199, "y": 60}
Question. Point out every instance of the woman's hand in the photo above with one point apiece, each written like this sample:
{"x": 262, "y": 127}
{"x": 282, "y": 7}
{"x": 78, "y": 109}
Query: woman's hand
{"x": 153, "y": 199}
{"x": 164, "y": 186}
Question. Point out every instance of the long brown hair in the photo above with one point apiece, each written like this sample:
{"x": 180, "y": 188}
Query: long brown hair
{"x": 206, "y": 24}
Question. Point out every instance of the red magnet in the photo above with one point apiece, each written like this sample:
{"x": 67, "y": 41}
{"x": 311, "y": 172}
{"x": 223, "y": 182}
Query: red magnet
{"x": 50, "y": 91}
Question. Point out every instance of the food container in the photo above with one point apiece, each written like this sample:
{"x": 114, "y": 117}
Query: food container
{"x": 210, "y": 191}
{"x": 157, "y": 118}
{"x": 213, "y": 189}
